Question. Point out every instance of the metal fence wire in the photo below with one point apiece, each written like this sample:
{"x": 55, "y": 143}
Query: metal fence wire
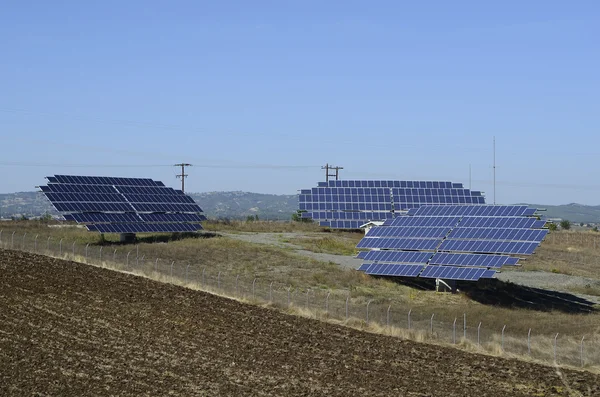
{"x": 581, "y": 349}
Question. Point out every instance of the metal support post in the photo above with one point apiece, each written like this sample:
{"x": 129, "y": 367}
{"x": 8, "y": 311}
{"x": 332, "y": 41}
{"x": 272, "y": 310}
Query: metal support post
{"x": 503, "y": 328}
{"x": 187, "y": 268}
{"x": 478, "y": 333}
{"x": 23, "y": 243}
{"x": 271, "y": 292}
{"x": 454, "y": 331}
{"x": 431, "y": 324}
{"x": 253, "y": 288}
{"x": 529, "y": 342}
{"x": 60, "y": 246}
{"x": 409, "y": 311}
{"x": 86, "y": 251}
{"x": 556, "y": 337}
{"x": 368, "y": 303}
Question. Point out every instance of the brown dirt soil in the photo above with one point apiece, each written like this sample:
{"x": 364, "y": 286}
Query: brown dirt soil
{"x": 68, "y": 329}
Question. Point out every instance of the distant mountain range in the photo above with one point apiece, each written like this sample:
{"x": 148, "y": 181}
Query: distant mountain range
{"x": 238, "y": 205}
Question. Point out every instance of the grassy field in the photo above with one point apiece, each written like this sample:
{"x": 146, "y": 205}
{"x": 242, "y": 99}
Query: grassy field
{"x": 232, "y": 258}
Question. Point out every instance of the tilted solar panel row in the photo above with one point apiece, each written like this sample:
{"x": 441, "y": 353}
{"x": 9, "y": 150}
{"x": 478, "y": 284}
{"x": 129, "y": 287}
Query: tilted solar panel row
{"x": 473, "y": 210}
{"x": 517, "y": 222}
{"x": 479, "y": 260}
{"x": 395, "y": 256}
{"x": 354, "y": 193}
{"x": 379, "y": 183}
{"x": 150, "y": 190}
{"x": 440, "y": 221}
{"x": 63, "y": 188}
{"x": 166, "y": 207}
{"x": 342, "y": 224}
{"x": 484, "y": 246}
{"x": 100, "y": 217}
{"x": 85, "y": 197}
{"x": 399, "y": 269}
{"x": 416, "y": 244}
{"x": 413, "y": 231}
{"x": 159, "y": 198}
{"x": 144, "y": 227}
{"x": 456, "y": 273}
{"x": 499, "y": 234}
{"x": 334, "y": 215}
{"x": 100, "y": 180}
{"x": 93, "y": 207}
{"x": 345, "y": 207}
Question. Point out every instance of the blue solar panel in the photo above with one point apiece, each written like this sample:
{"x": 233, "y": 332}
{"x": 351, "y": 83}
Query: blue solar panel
{"x": 501, "y": 222}
{"x": 472, "y": 210}
{"x": 395, "y": 256}
{"x": 398, "y": 270}
{"x": 485, "y": 246}
{"x": 498, "y": 234}
{"x": 432, "y": 221}
{"x": 454, "y": 273}
{"x": 396, "y": 231}
{"x": 399, "y": 243}
{"x": 477, "y": 260}
{"x": 379, "y": 198}
{"x": 122, "y": 205}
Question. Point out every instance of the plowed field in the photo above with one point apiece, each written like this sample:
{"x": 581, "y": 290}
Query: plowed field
{"x": 68, "y": 329}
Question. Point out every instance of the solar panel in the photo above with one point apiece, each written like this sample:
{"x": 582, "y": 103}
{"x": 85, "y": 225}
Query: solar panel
{"x": 123, "y": 205}
{"x": 462, "y": 242}
{"x": 395, "y": 256}
{"x": 454, "y": 273}
{"x": 378, "y": 200}
{"x": 398, "y": 270}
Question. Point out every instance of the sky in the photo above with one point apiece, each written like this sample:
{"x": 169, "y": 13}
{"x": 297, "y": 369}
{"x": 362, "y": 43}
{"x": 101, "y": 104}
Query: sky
{"x": 259, "y": 95}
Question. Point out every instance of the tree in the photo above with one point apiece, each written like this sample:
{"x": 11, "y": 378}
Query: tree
{"x": 552, "y": 227}
{"x": 581, "y": 224}
{"x": 595, "y": 229}
{"x": 46, "y": 217}
{"x": 565, "y": 224}
{"x": 297, "y": 217}
{"x": 250, "y": 218}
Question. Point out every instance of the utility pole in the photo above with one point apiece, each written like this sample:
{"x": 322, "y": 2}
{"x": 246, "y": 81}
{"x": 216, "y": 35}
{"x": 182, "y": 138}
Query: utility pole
{"x": 328, "y": 167}
{"x": 183, "y": 175}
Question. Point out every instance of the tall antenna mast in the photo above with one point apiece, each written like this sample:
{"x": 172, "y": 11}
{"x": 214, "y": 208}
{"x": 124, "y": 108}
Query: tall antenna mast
{"x": 494, "y": 167}
{"x": 469, "y": 176}
{"x": 183, "y": 175}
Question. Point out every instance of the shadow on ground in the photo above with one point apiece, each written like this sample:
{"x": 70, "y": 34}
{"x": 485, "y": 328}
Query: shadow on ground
{"x": 505, "y": 294}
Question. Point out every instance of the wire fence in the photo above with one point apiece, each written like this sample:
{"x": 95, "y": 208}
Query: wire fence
{"x": 392, "y": 318}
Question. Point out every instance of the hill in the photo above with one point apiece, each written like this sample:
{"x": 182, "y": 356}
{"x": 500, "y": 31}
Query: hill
{"x": 238, "y": 205}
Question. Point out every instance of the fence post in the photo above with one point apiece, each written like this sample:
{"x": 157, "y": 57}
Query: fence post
{"x": 409, "y": 311}
{"x": 156, "y": 265}
{"x": 289, "y": 289}
{"x": 203, "y": 279}
{"x": 502, "y": 346}
{"x": 327, "y": 302}
{"x": 187, "y": 268}
{"x": 73, "y": 248}
{"x": 253, "y": 288}
{"x": 48, "y": 243}
{"x": 387, "y": 319}
{"x": 368, "y": 303}
{"x": 100, "y": 255}
{"x": 23, "y": 243}
{"x": 271, "y": 292}
{"x": 582, "y": 362}
{"x": 86, "y": 251}
{"x": 465, "y": 326}
{"x": 529, "y": 342}
{"x": 219, "y": 280}
{"x": 172, "y": 263}
{"x": 12, "y": 240}
{"x": 556, "y": 337}
{"x": 236, "y": 285}
{"x": 35, "y": 243}
{"x": 60, "y": 247}
{"x": 478, "y": 329}
{"x": 431, "y": 323}
{"x": 454, "y": 331}
{"x": 347, "y": 299}
{"x": 114, "y": 255}
{"x": 127, "y": 261}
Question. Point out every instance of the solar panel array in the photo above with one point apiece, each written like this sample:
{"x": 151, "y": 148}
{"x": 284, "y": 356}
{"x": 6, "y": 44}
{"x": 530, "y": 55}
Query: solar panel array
{"x": 350, "y": 204}
{"x": 460, "y": 242}
{"x": 123, "y": 205}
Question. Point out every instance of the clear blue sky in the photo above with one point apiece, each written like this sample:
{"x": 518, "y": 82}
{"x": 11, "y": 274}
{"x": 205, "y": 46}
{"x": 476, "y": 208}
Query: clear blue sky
{"x": 259, "y": 94}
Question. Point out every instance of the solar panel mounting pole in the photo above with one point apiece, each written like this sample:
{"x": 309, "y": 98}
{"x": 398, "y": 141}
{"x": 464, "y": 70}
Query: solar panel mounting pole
{"x": 328, "y": 167}
{"x": 183, "y": 175}
{"x": 494, "y": 170}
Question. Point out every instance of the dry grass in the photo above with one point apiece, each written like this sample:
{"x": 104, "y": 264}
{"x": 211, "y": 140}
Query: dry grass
{"x": 234, "y": 258}
{"x": 262, "y": 226}
{"x": 572, "y": 253}
{"x": 333, "y": 243}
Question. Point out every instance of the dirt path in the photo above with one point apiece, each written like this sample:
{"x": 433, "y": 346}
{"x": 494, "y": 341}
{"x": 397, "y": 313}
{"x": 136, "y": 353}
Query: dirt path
{"x": 68, "y": 329}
